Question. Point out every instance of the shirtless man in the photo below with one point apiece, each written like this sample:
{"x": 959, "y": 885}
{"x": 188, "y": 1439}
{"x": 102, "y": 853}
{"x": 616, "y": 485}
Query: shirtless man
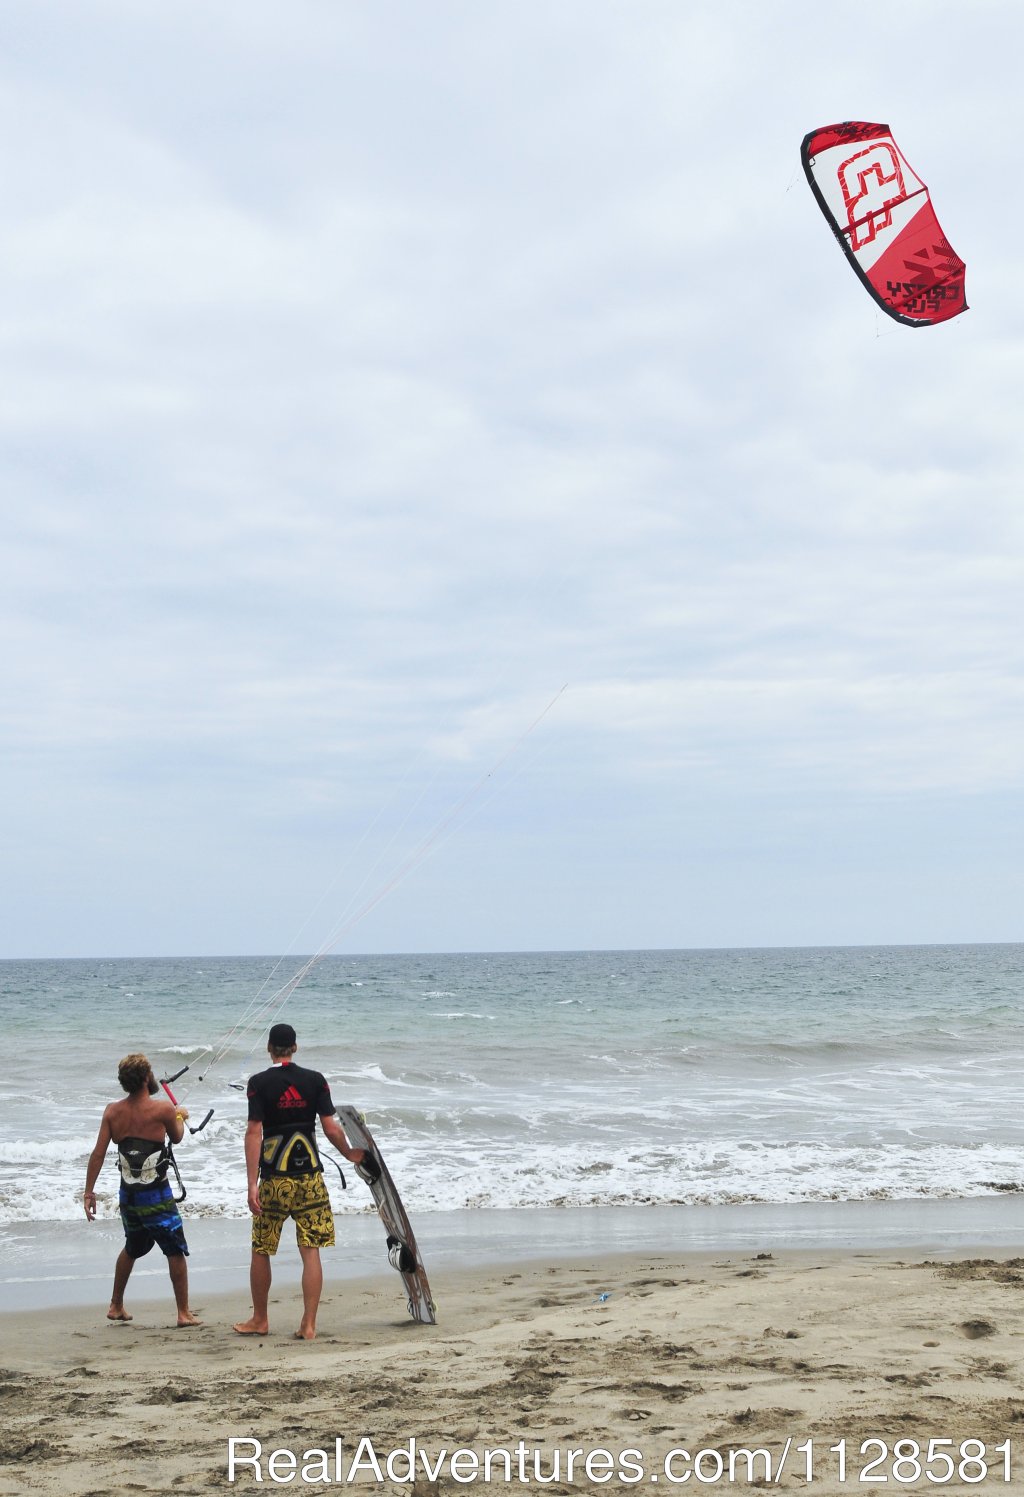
{"x": 142, "y": 1125}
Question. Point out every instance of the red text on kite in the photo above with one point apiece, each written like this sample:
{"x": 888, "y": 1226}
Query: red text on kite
{"x": 872, "y": 184}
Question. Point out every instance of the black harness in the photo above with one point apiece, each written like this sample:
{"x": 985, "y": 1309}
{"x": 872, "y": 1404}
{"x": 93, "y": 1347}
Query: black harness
{"x": 143, "y": 1162}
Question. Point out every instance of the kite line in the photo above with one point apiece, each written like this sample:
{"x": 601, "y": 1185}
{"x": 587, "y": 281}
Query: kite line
{"x": 262, "y": 1010}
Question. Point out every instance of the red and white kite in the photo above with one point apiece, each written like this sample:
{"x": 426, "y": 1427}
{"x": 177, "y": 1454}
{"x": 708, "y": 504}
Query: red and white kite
{"x": 881, "y": 213}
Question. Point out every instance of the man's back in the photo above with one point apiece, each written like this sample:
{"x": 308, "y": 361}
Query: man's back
{"x": 289, "y": 1096}
{"x": 287, "y": 1100}
{"x": 139, "y": 1117}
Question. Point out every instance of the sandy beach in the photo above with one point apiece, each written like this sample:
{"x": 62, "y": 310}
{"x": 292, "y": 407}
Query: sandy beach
{"x": 712, "y": 1354}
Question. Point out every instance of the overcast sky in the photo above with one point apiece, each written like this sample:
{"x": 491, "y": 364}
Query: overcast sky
{"x": 371, "y": 371}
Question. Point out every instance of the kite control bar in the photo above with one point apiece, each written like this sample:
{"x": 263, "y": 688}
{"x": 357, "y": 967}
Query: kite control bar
{"x": 165, "y": 1082}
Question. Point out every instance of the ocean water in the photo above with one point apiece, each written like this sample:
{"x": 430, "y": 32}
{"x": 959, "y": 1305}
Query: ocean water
{"x": 513, "y": 1082}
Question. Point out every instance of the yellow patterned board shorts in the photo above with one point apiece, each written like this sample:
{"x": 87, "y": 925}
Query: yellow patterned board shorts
{"x": 303, "y": 1197}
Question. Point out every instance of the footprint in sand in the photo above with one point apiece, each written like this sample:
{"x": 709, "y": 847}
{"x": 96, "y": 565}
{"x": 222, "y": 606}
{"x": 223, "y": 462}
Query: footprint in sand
{"x": 423, "y": 1487}
{"x": 975, "y": 1329}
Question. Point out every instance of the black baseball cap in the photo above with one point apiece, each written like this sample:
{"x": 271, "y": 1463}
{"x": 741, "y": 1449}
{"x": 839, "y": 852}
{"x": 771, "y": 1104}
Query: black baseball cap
{"x": 281, "y": 1036}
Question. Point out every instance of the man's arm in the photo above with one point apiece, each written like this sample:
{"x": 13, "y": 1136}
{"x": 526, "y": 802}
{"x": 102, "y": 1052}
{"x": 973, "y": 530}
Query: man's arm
{"x": 336, "y": 1133}
{"x": 253, "y": 1150}
{"x": 94, "y": 1166}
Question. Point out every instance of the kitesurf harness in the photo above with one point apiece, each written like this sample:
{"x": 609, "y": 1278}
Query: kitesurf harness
{"x": 292, "y": 1151}
{"x": 295, "y": 1153}
{"x": 143, "y": 1162}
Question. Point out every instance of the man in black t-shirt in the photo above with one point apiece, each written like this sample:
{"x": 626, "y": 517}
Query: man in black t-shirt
{"x": 285, "y": 1176}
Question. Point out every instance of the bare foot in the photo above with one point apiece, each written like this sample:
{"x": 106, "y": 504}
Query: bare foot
{"x": 187, "y": 1318}
{"x": 118, "y": 1312}
{"x": 304, "y": 1334}
{"x": 252, "y": 1328}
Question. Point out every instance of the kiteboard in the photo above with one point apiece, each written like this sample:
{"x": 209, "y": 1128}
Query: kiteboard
{"x": 403, "y": 1253}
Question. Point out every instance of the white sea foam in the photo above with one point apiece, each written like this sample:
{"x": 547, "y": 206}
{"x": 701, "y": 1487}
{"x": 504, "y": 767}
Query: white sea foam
{"x": 489, "y": 1018}
{"x": 26, "y": 1153}
{"x": 371, "y": 1072}
{"x": 481, "y": 1164}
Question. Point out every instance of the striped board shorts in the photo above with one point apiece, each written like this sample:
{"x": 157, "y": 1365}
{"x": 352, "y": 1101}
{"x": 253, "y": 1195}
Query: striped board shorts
{"x": 149, "y": 1215}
